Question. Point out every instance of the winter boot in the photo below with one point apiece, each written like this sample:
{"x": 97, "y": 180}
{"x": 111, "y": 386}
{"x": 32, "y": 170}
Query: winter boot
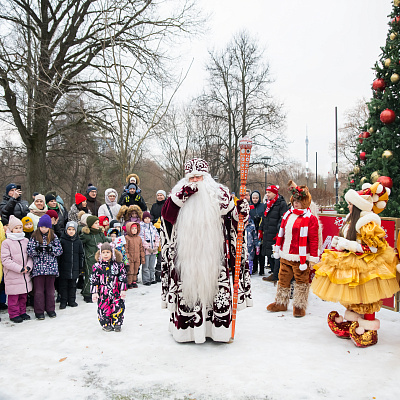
{"x": 364, "y": 332}
{"x": 25, "y": 316}
{"x": 281, "y": 300}
{"x": 107, "y": 328}
{"x": 63, "y": 305}
{"x": 300, "y": 299}
{"x": 17, "y": 320}
{"x": 117, "y": 328}
{"x": 339, "y": 327}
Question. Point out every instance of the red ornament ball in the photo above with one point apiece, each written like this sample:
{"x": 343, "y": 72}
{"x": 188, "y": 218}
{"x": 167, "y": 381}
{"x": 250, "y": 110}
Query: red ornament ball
{"x": 387, "y": 116}
{"x": 363, "y": 155}
{"x": 360, "y": 137}
{"x": 352, "y": 181}
{"x": 396, "y": 19}
{"x": 366, "y": 134}
{"x": 379, "y": 84}
{"x": 385, "y": 181}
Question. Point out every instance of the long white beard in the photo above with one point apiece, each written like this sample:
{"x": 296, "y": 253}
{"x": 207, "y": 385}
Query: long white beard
{"x": 200, "y": 244}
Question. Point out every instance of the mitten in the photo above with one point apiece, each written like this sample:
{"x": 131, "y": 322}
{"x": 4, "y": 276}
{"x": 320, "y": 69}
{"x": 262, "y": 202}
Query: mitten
{"x": 243, "y": 207}
{"x": 123, "y": 295}
{"x": 187, "y": 191}
{"x": 334, "y": 241}
{"x": 95, "y": 297}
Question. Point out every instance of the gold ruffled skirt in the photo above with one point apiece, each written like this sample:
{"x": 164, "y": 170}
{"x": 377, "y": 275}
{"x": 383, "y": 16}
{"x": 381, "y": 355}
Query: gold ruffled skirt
{"x": 348, "y": 278}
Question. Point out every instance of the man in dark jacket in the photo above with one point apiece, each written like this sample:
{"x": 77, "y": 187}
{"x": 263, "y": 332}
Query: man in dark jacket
{"x": 257, "y": 208}
{"x": 269, "y": 227}
{"x": 132, "y": 198}
{"x": 12, "y": 204}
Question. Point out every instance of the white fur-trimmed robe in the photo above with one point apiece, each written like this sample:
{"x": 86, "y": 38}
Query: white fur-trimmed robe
{"x": 213, "y": 321}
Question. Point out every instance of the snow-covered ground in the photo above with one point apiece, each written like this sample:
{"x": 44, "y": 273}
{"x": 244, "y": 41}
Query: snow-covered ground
{"x": 274, "y": 356}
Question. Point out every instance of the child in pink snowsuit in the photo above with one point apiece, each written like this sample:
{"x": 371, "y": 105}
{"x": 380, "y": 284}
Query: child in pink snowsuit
{"x": 17, "y": 265}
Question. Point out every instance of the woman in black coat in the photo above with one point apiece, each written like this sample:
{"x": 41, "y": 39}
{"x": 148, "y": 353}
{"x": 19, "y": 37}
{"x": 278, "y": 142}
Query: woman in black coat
{"x": 70, "y": 264}
{"x": 256, "y": 212}
{"x": 269, "y": 227}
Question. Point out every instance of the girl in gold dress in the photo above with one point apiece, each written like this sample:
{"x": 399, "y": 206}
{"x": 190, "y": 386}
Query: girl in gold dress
{"x": 360, "y": 270}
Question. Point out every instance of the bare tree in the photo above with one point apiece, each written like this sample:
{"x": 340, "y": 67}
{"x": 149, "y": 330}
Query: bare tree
{"x": 54, "y": 47}
{"x": 238, "y": 96}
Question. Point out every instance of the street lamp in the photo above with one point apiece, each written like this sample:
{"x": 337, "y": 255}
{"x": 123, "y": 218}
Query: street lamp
{"x": 265, "y": 161}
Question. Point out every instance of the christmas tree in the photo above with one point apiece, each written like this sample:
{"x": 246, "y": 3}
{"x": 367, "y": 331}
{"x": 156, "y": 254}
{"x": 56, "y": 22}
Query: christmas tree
{"x": 378, "y": 150}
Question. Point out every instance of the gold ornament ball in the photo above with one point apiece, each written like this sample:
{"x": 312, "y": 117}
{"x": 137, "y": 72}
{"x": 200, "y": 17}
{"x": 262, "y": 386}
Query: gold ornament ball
{"x": 392, "y": 36}
{"x": 396, "y": 3}
{"x": 363, "y": 179}
{"x": 395, "y": 78}
{"x": 356, "y": 169}
{"x": 371, "y": 130}
{"x": 374, "y": 176}
{"x": 387, "y": 62}
{"x": 387, "y": 154}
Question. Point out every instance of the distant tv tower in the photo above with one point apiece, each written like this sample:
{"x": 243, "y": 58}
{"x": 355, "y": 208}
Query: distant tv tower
{"x": 307, "y": 170}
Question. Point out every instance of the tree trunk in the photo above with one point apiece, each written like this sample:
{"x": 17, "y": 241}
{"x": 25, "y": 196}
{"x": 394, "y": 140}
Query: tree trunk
{"x": 36, "y": 167}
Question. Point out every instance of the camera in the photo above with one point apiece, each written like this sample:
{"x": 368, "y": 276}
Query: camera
{"x": 18, "y": 187}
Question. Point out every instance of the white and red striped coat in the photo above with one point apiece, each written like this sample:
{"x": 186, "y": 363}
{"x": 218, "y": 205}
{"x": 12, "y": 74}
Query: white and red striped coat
{"x": 290, "y": 246}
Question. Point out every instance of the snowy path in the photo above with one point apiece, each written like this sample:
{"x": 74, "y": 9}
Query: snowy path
{"x": 274, "y": 356}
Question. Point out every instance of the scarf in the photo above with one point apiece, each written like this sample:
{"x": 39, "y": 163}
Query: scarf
{"x": 270, "y": 203}
{"x": 15, "y": 236}
{"x": 305, "y": 219}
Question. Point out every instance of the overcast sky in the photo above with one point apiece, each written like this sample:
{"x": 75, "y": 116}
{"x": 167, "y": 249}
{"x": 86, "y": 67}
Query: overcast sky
{"x": 320, "y": 54}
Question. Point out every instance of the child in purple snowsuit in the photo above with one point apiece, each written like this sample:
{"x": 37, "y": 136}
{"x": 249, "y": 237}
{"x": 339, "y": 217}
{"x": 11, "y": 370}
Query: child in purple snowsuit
{"x": 108, "y": 285}
{"x": 16, "y": 265}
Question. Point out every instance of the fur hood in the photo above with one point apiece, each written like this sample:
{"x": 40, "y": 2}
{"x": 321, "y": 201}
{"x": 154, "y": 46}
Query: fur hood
{"x": 118, "y": 256}
{"x": 126, "y": 212}
{"x": 107, "y": 200}
{"x": 133, "y": 176}
{"x": 86, "y": 230}
{"x": 128, "y": 228}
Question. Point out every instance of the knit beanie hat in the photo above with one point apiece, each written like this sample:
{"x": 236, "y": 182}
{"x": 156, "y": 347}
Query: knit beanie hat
{"x": 272, "y": 188}
{"x": 113, "y": 230}
{"x": 10, "y": 186}
{"x": 102, "y": 219}
{"x": 13, "y": 222}
{"x": 72, "y": 224}
{"x": 52, "y": 214}
{"x": 45, "y": 221}
{"x": 132, "y": 185}
{"x": 83, "y": 218}
{"x": 90, "y": 188}
{"x": 115, "y": 223}
{"x": 49, "y": 197}
{"x": 105, "y": 246}
{"x": 79, "y": 198}
{"x": 162, "y": 192}
{"x": 40, "y": 197}
{"x": 91, "y": 220}
{"x": 25, "y": 221}
{"x": 145, "y": 215}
